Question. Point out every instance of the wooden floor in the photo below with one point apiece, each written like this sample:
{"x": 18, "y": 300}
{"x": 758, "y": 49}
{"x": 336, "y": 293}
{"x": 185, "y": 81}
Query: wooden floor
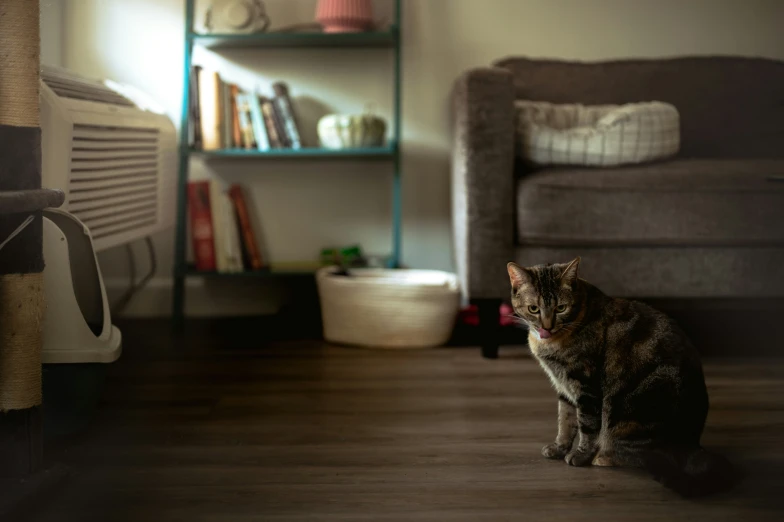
{"x": 299, "y": 431}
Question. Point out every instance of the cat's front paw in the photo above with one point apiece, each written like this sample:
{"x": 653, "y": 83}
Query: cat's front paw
{"x": 554, "y": 451}
{"x": 579, "y": 457}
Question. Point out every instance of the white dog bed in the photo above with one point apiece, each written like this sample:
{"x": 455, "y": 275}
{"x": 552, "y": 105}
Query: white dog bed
{"x": 598, "y": 135}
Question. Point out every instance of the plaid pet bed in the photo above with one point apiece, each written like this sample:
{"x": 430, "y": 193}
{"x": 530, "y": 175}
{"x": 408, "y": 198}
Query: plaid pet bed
{"x": 598, "y": 135}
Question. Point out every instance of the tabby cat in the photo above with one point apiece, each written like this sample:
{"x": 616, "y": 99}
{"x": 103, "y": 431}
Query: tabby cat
{"x": 631, "y": 391}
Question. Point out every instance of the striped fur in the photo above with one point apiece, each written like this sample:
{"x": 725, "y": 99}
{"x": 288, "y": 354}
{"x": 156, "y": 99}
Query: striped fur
{"x": 630, "y": 383}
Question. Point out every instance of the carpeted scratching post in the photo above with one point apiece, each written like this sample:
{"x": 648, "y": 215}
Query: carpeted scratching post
{"x": 21, "y": 259}
{"x": 21, "y": 255}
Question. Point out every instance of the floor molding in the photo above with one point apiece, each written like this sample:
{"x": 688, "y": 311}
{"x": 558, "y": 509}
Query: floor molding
{"x": 203, "y": 299}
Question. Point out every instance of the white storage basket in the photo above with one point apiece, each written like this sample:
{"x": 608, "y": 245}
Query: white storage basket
{"x": 388, "y": 308}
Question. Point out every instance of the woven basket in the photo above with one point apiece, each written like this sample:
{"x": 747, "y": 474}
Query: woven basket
{"x": 383, "y": 308}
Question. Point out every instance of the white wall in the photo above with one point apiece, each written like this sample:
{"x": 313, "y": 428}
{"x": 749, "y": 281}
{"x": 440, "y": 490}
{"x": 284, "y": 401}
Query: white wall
{"x": 304, "y": 206}
{"x": 52, "y": 32}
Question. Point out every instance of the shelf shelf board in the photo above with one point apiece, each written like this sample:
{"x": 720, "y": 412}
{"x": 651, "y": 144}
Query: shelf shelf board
{"x": 387, "y": 151}
{"x": 388, "y": 38}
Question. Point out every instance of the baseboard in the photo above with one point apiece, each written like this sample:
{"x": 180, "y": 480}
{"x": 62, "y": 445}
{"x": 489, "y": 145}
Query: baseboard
{"x": 203, "y": 298}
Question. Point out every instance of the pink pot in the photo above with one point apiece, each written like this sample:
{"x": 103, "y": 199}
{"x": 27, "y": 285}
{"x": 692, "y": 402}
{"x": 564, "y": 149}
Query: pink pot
{"x": 345, "y": 16}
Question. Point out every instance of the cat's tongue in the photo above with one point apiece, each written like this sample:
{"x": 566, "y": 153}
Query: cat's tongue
{"x": 544, "y": 334}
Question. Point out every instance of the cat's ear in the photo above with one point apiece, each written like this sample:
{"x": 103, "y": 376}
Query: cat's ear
{"x": 569, "y": 274}
{"x": 518, "y": 275}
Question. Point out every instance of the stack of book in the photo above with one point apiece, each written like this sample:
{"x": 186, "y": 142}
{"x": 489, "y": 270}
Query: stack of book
{"x": 222, "y": 116}
{"x": 221, "y": 233}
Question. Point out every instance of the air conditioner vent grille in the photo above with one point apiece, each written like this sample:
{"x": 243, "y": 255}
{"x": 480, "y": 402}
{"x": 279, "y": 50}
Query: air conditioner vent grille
{"x": 68, "y": 85}
{"x": 114, "y": 178}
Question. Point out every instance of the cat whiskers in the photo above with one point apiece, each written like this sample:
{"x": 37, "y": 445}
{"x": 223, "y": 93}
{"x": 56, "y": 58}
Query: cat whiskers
{"x": 519, "y": 321}
{"x": 571, "y": 327}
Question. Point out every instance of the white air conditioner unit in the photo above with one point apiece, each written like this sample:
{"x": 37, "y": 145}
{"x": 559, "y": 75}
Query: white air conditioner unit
{"x": 116, "y": 163}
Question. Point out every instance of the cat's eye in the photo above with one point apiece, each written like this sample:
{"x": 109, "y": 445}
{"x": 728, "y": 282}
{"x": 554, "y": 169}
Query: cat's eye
{"x": 560, "y": 308}
{"x": 533, "y": 309}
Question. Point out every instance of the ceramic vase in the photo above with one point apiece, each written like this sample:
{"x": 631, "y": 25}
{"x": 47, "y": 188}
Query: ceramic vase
{"x": 345, "y": 16}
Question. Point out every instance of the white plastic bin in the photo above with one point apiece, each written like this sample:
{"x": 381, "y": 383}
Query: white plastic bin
{"x": 388, "y": 308}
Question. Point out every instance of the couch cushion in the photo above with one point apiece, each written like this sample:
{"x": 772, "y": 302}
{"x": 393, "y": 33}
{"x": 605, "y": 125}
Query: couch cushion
{"x": 680, "y": 202}
{"x": 730, "y": 107}
{"x": 701, "y": 272}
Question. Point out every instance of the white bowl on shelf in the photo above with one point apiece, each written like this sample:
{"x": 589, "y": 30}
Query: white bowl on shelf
{"x": 350, "y": 131}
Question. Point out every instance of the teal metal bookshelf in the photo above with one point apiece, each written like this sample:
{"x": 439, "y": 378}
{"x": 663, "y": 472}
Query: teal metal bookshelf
{"x": 388, "y": 151}
{"x": 387, "y": 39}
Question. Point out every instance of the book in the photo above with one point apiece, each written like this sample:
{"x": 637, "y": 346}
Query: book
{"x": 228, "y": 253}
{"x": 202, "y": 236}
{"x": 231, "y": 230}
{"x": 280, "y": 126}
{"x": 194, "y": 123}
{"x": 250, "y": 246}
{"x": 227, "y": 132}
{"x": 277, "y": 141}
{"x": 247, "y": 134}
{"x": 210, "y": 110}
{"x": 259, "y": 126}
{"x": 235, "y": 120}
{"x": 285, "y": 108}
{"x": 218, "y": 227}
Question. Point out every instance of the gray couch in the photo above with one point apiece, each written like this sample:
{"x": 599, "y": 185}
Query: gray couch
{"x": 706, "y": 224}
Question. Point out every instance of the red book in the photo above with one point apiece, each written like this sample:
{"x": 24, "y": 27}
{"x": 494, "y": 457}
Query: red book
{"x": 202, "y": 235}
{"x": 246, "y": 230}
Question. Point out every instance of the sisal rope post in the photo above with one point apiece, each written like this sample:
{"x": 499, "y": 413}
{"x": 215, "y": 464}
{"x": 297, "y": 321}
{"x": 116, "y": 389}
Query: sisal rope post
{"x": 21, "y": 262}
{"x": 20, "y": 49}
{"x": 21, "y": 310}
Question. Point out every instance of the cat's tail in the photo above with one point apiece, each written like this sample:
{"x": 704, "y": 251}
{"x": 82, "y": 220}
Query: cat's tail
{"x": 691, "y": 472}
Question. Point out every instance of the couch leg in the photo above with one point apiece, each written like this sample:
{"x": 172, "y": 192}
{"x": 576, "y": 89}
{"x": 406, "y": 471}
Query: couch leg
{"x": 489, "y": 326}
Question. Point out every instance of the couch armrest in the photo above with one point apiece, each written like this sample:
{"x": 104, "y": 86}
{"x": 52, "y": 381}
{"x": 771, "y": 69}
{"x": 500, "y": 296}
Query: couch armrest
{"x": 483, "y": 180}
